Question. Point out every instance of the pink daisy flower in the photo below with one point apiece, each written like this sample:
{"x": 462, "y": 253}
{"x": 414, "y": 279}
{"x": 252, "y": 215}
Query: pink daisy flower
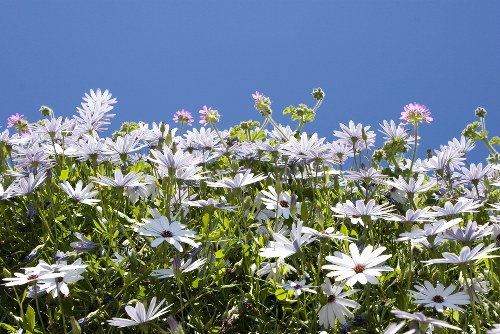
{"x": 209, "y": 116}
{"x": 183, "y": 116}
{"x": 15, "y": 119}
{"x": 416, "y": 113}
{"x": 257, "y": 95}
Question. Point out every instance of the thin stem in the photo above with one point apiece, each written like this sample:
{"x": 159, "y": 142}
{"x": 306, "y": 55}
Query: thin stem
{"x": 414, "y": 152}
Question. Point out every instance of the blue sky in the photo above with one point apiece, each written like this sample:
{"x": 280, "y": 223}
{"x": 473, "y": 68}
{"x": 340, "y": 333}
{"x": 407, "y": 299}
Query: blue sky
{"x": 156, "y": 57}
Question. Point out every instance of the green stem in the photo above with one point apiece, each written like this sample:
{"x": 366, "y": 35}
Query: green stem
{"x": 414, "y": 152}
{"x": 471, "y": 296}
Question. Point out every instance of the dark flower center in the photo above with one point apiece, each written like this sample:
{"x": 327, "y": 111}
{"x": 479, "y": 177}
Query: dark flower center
{"x": 438, "y": 299}
{"x": 32, "y": 276}
{"x": 331, "y": 298}
{"x": 498, "y": 238}
{"x": 167, "y": 234}
{"x": 284, "y": 204}
{"x": 59, "y": 279}
{"x": 359, "y": 268}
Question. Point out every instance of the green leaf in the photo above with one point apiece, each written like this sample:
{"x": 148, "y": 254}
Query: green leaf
{"x": 75, "y": 327}
{"x": 64, "y": 174}
{"x": 29, "y": 319}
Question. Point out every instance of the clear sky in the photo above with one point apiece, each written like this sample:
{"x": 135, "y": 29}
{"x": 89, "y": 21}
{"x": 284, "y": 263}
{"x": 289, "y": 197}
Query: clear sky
{"x": 156, "y": 57}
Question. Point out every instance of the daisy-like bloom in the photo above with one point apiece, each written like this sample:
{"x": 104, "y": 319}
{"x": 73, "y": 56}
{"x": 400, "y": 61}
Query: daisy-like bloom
{"x": 329, "y": 233}
{"x": 340, "y": 152}
{"x": 210, "y": 203}
{"x": 93, "y": 116}
{"x": 80, "y": 194}
{"x": 281, "y": 203}
{"x": 209, "y": 116}
{"x": 415, "y": 113}
{"x": 19, "y": 123}
{"x": 70, "y": 273}
{"x": 179, "y": 265}
{"x": 123, "y": 145}
{"x": 429, "y": 229}
{"x": 15, "y": 119}
{"x": 357, "y": 267}
{"x": 337, "y": 304}
{"x": 139, "y": 314}
{"x": 466, "y": 255}
{"x": 411, "y": 187}
{"x": 257, "y": 95}
{"x": 370, "y": 175}
{"x": 240, "y": 180}
{"x": 356, "y": 136}
{"x": 422, "y": 318}
{"x": 283, "y": 247}
{"x": 411, "y": 216}
{"x": 474, "y": 173}
{"x": 298, "y": 287}
{"x": 439, "y": 296}
{"x": 448, "y": 159}
{"x": 302, "y": 148}
{"x": 164, "y": 230}
{"x": 183, "y": 117}
{"x": 463, "y": 146}
{"x": 495, "y": 233}
{"x": 470, "y": 233}
{"x": 32, "y": 274}
{"x": 130, "y": 180}
{"x": 26, "y": 185}
{"x": 275, "y": 270}
{"x": 392, "y": 132}
{"x": 362, "y": 210}
{"x": 84, "y": 245}
{"x": 167, "y": 160}
{"x": 461, "y": 206}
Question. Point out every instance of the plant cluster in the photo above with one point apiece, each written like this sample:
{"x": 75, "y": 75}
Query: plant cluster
{"x": 159, "y": 229}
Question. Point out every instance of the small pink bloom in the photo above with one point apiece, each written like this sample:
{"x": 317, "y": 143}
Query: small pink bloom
{"x": 183, "y": 116}
{"x": 15, "y": 119}
{"x": 416, "y": 113}
{"x": 257, "y": 95}
{"x": 209, "y": 116}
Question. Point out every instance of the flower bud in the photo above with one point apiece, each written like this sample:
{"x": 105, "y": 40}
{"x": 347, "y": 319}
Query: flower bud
{"x": 46, "y": 111}
{"x": 318, "y": 93}
{"x": 480, "y": 112}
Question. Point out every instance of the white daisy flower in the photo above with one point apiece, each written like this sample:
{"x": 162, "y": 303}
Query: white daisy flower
{"x": 139, "y": 314}
{"x": 80, "y": 194}
{"x": 164, "y": 230}
{"x": 358, "y": 268}
{"x": 281, "y": 203}
{"x": 439, "y": 296}
{"x": 336, "y": 306}
{"x": 466, "y": 255}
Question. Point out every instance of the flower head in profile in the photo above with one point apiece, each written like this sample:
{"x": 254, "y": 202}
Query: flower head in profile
{"x": 209, "y": 116}
{"x": 257, "y": 95}
{"x": 139, "y": 314}
{"x": 184, "y": 117}
{"x": 298, "y": 287}
{"x": 415, "y": 113}
{"x": 19, "y": 123}
{"x": 422, "y": 318}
